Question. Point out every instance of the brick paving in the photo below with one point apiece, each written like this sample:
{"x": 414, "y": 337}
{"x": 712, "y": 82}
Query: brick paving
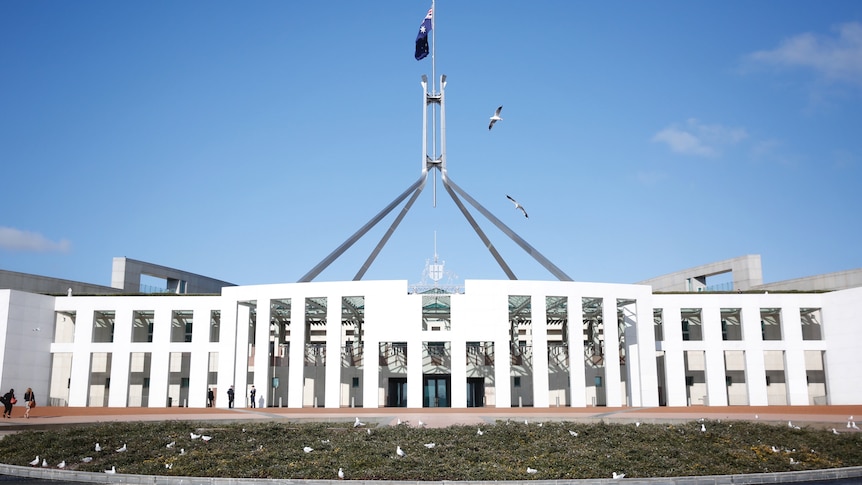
{"x": 820, "y": 416}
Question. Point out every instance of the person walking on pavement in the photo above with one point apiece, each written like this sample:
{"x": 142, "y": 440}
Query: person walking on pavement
{"x": 29, "y": 401}
{"x": 230, "y": 397}
{"x": 251, "y": 395}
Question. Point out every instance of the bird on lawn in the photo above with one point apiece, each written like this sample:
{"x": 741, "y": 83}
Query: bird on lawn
{"x": 532, "y": 471}
{"x": 430, "y": 445}
{"x": 518, "y": 207}
{"x": 206, "y": 438}
{"x": 62, "y": 464}
{"x": 617, "y": 476}
{"x": 171, "y": 444}
{"x": 703, "y": 428}
{"x": 194, "y": 436}
{"x": 44, "y": 463}
{"x": 358, "y": 423}
{"x": 87, "y": 459}
{"x": 35, "y": 462}
{"x": 479, "y": 432}
{"x": 98, "y": 448}
{"x": 308, "y": 449}
{"x": 112, "y": 470}
{"x": 495, "y": 118}
{"x": 341, "y": 473}
{"x": 400, "y": 452}
{"x": 122, "y": 448}
{"x": 573, "y": 433}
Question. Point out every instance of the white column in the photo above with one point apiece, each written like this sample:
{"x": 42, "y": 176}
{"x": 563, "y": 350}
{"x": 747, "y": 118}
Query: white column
{"x": 613, "y": 393}
{"x": 673, "y": 357}
{"x": 503, "y": 371}
{"x": 262, "y": 357}
{"x": 541, "y": 390}
{"x": 119, "y": 391}
{"x": 296, "y": 369}
{"x": 160, "y": 358}
{"x": 577, "y": 372}
{"x": 794, "y": 357}
{"x": 415, "y": 384}
{"x": 755, "y": 369}
{"x": 459, "y": 372}
{"x": 716, "y": 385}
{"x": 332, "y": 391}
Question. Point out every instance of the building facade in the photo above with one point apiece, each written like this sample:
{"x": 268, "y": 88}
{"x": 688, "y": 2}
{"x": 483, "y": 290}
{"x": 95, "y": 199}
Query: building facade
{"x": 376, "y": 344}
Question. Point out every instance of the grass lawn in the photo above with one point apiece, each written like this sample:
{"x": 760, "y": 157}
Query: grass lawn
{"x": 504, "y": 451}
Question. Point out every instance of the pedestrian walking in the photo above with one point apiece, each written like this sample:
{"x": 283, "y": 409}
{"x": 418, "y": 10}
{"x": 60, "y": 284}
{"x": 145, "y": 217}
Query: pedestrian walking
{"x": 251, "y": 395}
{"x": 230, "y": 397}
{"x": 29, "y": 401}
{"x": 8, "y": 400}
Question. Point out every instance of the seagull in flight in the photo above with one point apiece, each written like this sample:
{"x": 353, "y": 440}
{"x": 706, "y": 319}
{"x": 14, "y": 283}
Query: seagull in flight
{"x": 495, "y": 118}
{"x": 520, "y": 208}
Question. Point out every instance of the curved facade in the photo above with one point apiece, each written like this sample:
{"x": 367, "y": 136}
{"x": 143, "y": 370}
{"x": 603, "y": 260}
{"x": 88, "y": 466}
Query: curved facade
{"x": 374, "y": 344}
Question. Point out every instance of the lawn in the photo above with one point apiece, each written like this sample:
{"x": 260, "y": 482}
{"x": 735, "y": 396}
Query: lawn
{"x": 503, "y": 451}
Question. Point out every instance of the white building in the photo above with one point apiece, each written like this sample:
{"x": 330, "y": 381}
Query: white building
{"x": 493, "y": 343}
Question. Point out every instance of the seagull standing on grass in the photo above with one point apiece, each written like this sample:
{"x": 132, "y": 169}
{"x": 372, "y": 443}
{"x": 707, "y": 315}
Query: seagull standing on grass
{"x": 358, "y": 423}
{"x": 618, "y": 476}
{"x": 400, "y": 452}
{"x": 430, "y": 445}
{"x": 308, "y": 449}
{"x": 112, "y": 470}
{"x": 35, "y": 462}
{"x": 341, "y": 474}
{"x": 171, "y": 444}
{"x": 495, "y": 118}
{"x": 62, "y": 464}
{"x": 98, "y": 448}
{"x": 520, "y": 208}
{"x": 194, "y": 436}
{"x": 122, "y": 448}
{"x": 532, "y": 471}
{"x": 44, "y": 463}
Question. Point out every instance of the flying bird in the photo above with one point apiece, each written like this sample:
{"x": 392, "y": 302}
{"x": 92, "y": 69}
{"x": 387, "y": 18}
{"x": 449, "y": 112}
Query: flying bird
{"x": 520, "y": 208}
{"x": 400, "y": 452}
{"x": 358, "y": 423}
{"x": 35, "y": 462}
{"x": 532, "y": 471}
{"x": 112, "y": 470}
{"x": 495, "y": 118}
{"x": 122, "y": 448}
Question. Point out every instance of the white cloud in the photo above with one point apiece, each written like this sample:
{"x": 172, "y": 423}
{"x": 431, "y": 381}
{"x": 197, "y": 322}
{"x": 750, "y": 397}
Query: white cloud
{"x": 18, "y": 240}
{"x": 695, "y": 138}
{"x": 834, "y": 58}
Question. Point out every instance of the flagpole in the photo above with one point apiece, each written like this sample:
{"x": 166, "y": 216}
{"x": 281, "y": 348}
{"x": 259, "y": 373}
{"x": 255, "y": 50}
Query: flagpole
{"x": 434, "y": 92}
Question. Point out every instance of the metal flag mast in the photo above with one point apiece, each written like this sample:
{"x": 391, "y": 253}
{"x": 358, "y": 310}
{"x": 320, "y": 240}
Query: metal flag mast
{"x": 433, "y": 98}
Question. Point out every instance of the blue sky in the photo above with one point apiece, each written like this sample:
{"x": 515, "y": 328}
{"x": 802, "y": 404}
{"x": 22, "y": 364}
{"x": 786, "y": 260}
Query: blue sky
{"x": 247, "y": 140}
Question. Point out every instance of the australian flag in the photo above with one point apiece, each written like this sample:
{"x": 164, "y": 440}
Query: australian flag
{"x": 422, "y": 39}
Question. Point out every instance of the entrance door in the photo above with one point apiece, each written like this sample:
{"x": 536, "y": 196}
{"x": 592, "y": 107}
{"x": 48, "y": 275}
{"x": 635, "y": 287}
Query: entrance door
{"x": 397, "y": 397}
{"x": 475, "y": 392}
{"x": 436, "y": 394}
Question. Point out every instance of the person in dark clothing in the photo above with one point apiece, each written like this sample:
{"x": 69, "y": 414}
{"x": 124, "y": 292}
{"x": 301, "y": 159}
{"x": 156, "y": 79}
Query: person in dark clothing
{"x": 8, "y": 400}
{"x": 29, "y": 401}
{"x": 251, "y": 395}
{"x": 230, "y": 397}
{"x": 210, "y": 398}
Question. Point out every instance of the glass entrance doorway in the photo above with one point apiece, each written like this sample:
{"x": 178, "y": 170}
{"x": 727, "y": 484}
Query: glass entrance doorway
{"x": 436, "y": 391}
{"x": 397, "y": 397}
{"x": 475, "y": 392}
